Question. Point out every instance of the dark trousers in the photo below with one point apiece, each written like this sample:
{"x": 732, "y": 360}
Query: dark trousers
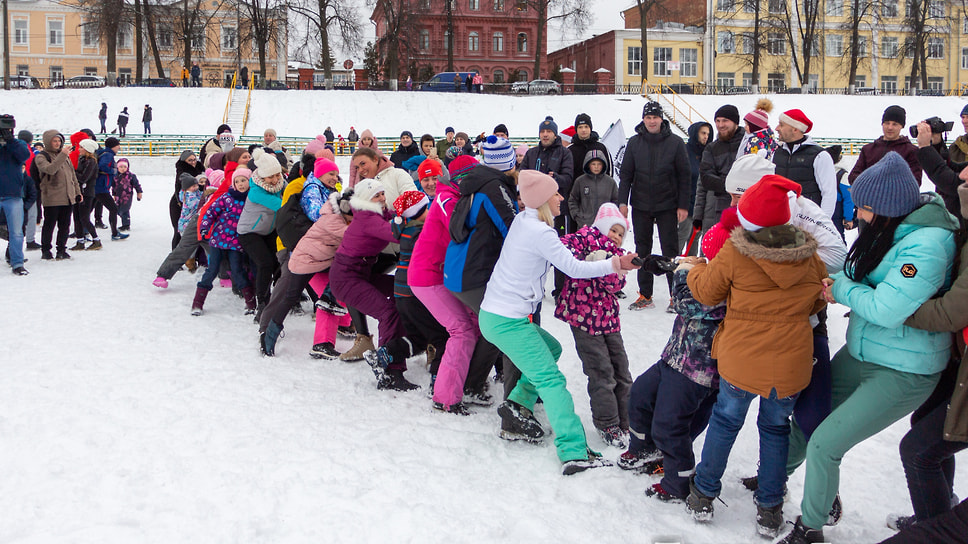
{"x": 563, "y": 225}
{"x": 104, "y": 128}
{"x": 643, "y": 223}
{"x": 486, "y": 355}
{"x": 59, "y": 216}
{"x": 667, "y": 411}
{"x": 186, "y": 247}
{"x": 359, "y": 321}
{"x": 604, "y": 362}
{"x": 288, "y": 290}
{"x": 122, "y": 129}
{"x": 929, "y": 464}
{"x": 106, "y": 200}
{"x": 82, "y": 219}
{"x": 422, "y": 328}
{"x": 174, "y": 212}
{"x": 124, "y": 211}
{"x": 261, "y": 250}
{"x": 948, "y": 528}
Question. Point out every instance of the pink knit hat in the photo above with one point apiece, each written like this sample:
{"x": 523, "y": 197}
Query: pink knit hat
{"x": 322, "y": 166}
{"x": 536, "y": 188}
{"x": 241, "y": 171}
{"x": 315, "y": 145}
{"x": 215, "y": 177}
{"x": 759, "y": 119}
{"x": 608, "y": 216}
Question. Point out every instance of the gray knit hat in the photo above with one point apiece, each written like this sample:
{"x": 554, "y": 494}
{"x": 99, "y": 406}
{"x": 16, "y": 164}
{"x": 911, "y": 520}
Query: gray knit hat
{"x": 887, "y": 188}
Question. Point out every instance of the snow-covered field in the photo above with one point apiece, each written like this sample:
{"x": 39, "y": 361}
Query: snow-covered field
{"x": 125, "y": 419}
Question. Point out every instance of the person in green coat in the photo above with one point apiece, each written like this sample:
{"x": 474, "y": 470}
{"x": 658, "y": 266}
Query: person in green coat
{"x": 903, "y": 255}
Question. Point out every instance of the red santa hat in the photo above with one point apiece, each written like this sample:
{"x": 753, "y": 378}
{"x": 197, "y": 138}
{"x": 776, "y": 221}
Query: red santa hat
{"x": 409, "y": 205}
{"x": 716, "y": 237}
{"x": 797, "y": 119}
{"x": 766, "y": 203}
{"x": 567, "y": 134}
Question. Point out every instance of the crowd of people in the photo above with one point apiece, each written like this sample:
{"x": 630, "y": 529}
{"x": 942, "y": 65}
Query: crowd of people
{"x": 447, "y": 245}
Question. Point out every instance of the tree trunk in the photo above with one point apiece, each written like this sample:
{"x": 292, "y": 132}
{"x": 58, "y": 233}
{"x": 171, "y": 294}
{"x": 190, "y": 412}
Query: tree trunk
{"x": 139, "y": 61}
{"x": 152, "y": 42}
{"x": 644, "y": 38}
{"x": 188, "y": 26}
{"x": 854, "y": 42}
{"x": 324, "y": 49}
{"x": 542, "y": 6}
{"x": 756, "y": 44}
{"x": 450, "y": 35}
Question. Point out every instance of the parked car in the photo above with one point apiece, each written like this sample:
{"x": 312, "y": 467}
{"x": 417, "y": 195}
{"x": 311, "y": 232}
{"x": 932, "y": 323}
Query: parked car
{"x": 155, "y": 82}
{"x": 24, "y": 82}
{"x": 519, "y": 87}
{"x": 276, "y": 85}
{"x": 537, "y": 86}
{"x": 444, "y": 82}
{"x": 84, "y": 81}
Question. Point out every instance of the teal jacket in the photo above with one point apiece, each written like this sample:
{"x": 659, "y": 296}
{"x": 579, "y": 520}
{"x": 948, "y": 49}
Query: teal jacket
{"x": 918, "y": 266}
{"x": 259, "y": 213}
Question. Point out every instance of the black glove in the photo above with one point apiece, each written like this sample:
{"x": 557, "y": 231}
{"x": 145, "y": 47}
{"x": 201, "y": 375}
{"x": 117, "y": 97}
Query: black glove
{"x": 697, "y": 224}
{"x": 656, "y": 265}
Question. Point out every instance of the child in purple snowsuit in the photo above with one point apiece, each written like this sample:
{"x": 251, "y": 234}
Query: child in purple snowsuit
{"x": 219, "y": 226}
{"x": 358, "y": 283}
{"x": 591, "y": 308}
{"x": 125, "y": 185}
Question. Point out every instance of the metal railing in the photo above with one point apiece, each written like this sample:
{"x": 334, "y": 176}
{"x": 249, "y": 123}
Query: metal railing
{"x": 248, "y": 99}
{"x": 682, "y": 114}
{"x": 228, "y": 103}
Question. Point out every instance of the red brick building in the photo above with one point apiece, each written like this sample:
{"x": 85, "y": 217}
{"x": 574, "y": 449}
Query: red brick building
{"x": 495, "y": 38}
{"x": 687, "y": 12}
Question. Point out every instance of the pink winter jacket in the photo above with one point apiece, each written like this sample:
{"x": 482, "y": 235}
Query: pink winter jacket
{"x": 427, "y": 263}
{"x": 316, "y": 249}
{"x": 354, "y": 176}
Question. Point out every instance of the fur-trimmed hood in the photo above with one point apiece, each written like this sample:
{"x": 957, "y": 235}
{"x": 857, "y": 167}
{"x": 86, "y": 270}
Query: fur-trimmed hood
{"x": 362, "y": 204}
{"x": 778, "y": 251}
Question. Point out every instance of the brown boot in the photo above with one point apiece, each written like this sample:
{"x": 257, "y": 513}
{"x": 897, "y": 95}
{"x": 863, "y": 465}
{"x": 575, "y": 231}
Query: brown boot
{"x": 192, "y": 265}
{"x": 361, "y": 345}
{"x": 198, "y": 303}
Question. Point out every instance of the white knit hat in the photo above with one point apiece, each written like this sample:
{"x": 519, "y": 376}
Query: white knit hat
{"x": 265, "y": 164}
{"x": 367, "y": 189}
{"x": 609, "y": 216}
{"x": 746, "y": 171}
{"x": 89, "y": 145}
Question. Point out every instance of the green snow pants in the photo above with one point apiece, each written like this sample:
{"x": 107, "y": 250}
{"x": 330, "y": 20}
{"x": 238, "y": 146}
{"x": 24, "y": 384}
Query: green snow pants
{"x": 866, "y": 399}
{"x": 536, "y": 353}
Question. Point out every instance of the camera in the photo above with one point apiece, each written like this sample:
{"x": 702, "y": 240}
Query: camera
{"x": 937, "y": 126}
{"x": 7, "y": 124}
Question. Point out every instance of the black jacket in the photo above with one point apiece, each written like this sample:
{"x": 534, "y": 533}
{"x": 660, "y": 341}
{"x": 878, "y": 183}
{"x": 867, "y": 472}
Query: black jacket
{"x": 944, "y": 178}
{"x": 655, "y": 171}
{"x": 183, "y": 167}
{"x": 711, "y": 195}
{"x": 86, "y": 176}
{"x": 694, "y": 150}
{"x": 146, "y": 116}
{"x": 554, "y": 160}
{"x": 402, "y": 153}
{"x": 579, "y": 148}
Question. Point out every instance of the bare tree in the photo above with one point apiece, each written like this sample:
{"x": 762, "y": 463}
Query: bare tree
{"x": 191, "y": 19}
{"x": 398, "y": 38}
{"x": 324, "y": 17}
{"x": 923, "y": 21}
{"x": 861, "y": 12}
{"x": 105, "y": 17}
{"x": 575, "y": 14}
{"x": 800, "y": 25}
{"x": 264, "y": 20}
{"x": 152, "y": 39}
{"x": 644, "y": 7}
{"x": 754, "y": 41}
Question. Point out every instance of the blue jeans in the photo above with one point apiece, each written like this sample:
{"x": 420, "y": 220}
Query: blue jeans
{"x": 215, "y": 254}
{"x": 773, "y": 422}
{"x": 13, "y": 209}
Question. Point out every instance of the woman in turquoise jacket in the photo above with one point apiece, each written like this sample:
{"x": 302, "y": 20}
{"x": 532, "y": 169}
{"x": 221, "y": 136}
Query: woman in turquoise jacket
{"x": 902, "y": 257}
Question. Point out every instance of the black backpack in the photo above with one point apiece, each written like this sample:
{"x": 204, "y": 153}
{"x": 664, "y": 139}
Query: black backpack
{"x": 34, "y": 171}
{"x": 459, "y": 230}
{"x": 291, "y": 222}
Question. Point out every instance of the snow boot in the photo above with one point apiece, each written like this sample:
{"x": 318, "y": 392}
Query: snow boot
{"x": 699, "y": 506}
{"x": 458, "y": 408}
{"x": 639, "y": 460}
{"x": 836, "y": 512}
{"x": 191, "y": 265}
{"x": 297, "y": 310}
{"x": 248, "y": 294}
{"x": 346, "y": 333}
{"x": 659, "y": 493}
{"x": 378, "y": 359}
{"x": 198, "y": 304}
{"x": 769, "y": 520}
{"x": 518, "y": 423}
{"x": 46, "y": 255}
{"x": 899, "y": 522}
{"x": 260, "y": 307}
{"x": 159, "y": 282}
{"x": 267, "y": 340}
{"x": 62, "y": 255}
{"x": 613, "y": 435}
{"x": 95, "y": 245}
{"x": 594, "y": 460}
{"x": 329, "y": 305}
{"x": 79, "y": 246}
{"x": 478, "y": 398}
{"x": 324, "y": 350}
{"x": 393, "y": 380}
{"x": 801, "y": 534}
{"x": 362, "y": 344}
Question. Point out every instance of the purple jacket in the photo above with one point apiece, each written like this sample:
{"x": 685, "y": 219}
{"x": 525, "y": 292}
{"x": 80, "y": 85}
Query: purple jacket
{"x": 368, "y": 234}
{"x": 689, "y": 349}
{"x": 221, "y": 221}
{"x": 590, "y": 304}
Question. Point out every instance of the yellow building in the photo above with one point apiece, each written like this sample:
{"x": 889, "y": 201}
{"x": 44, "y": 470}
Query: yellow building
{"x": 51, "y": 40}
{"x": 885, "y": 61}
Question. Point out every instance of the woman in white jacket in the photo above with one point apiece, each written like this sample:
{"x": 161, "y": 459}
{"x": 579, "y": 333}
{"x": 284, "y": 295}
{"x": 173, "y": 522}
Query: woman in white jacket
{"x": 512, "y": 296}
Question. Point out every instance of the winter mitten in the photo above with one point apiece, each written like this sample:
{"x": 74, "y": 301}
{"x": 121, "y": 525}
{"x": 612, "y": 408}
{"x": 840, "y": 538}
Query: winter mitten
{"x": 657, "y": 265}
{"x": 597, "y": 255}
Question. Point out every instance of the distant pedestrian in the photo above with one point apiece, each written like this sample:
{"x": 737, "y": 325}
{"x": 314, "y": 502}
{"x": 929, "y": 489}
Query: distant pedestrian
{"x": 409, "y": 83}
{"x": 470, "y": 83}
{"x": 123, "y": 122}
{"x": 478, "y": 83}
{"x": 146, "y": 119}
{"x": 245, "y": 76}
{"x": 184, "y": 77}
{"x": 103, "y": 117}
{"x": 196, "y": 75}
{"x": 352, "y": 138}
{"x": 457, "y": 83}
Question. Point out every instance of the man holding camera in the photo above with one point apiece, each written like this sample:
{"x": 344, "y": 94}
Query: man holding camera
{"x": 939, "y": 171}
{"x": 13, "y": 155}
{"x": 892, "y": 123}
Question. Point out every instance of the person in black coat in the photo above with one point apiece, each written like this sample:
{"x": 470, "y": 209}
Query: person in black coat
{"x": 699, "y": 135}
{"x": 244, "y": 77}
{"x": 123, "y": 122}
{"x": 717, "y": 159}
{"x": 102, "y": 116}
{"x": 146, "y": 119}
{"x": 585, "y": 140}
{"x": 654, "y": 179}
{"x": 187, "y": 163}
{"x": 407, "y": 149}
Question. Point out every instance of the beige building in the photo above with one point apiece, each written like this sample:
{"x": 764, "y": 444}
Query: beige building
{"x": 51, "y": 40}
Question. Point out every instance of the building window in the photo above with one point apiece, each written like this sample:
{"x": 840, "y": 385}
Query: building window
{"x": 964, "y": 25}
{"x": 498, "y": 5}
{"x": 889, "y": 9}
{"x": 889, "y": 84}
{"x": 423, "y": 41}
{"x": 521, "y": 5}
{"x": 20, "y": 31}
{"x": 860, "y": 81}
{"x": 446, "y": 40}
{"x": 777, "y": 7}
{"x": 635, "y": 61}
{"x": 55, "y": 33}
{"x": 936, "y": 83}
{"x": 660, "y": 61}
{"x": 498, "y": 42}
{"x": 725, "y": 79}
{"x": 964, "y": 58}
{"x": 56, "y": 73}
{"x": 775, "y": 43}
{"x": 473, "y": 41}
{"x": 498, "y": 76}
{"x": 88, "y": 35}
{"x": 688, "y": 62}
{"x": 835, "y": 45}
{"x": 724, "y": 42}
{"x": 936, "y": 9}
{"x": 725, "y": 5}
{"x": 424, "y": 4}
{"x": 935, "y": 48}
{"x": 90, "y": 70}
{"x": 23, "y": 70}
{"x": 522, "y": 42}
{"x": 861, "y": 46}
{"x": 124, "y": 37}
{"x": 747, "y": 42}
{"x": 813, "y": 81}
{"x": 776, "y": 83}
{"x": 748, "y": 79}
{"x": 124, "y": 74}
{"x": 835, "y": 8}
{"x": 198, "y": 39}
{"x": 474, "y": 4}
{"x": 814, "y": 49}
{"x": 164, "y": 36}
{"x": 228, "y": 38}
{"x": 889, "y": 50}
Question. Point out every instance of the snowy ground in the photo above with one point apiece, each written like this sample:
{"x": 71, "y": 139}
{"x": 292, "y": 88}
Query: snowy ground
{"x": 124, "y": 419}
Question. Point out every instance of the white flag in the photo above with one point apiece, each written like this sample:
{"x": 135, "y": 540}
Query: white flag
{"x": 614, "y": 140}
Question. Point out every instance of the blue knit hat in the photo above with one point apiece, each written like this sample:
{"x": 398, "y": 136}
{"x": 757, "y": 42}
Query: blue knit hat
{"x": 964, "y": 110}
{"x": 548, "y": 124}
{"x": 498, "y": 153}
{"x": 887, "y": 188}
